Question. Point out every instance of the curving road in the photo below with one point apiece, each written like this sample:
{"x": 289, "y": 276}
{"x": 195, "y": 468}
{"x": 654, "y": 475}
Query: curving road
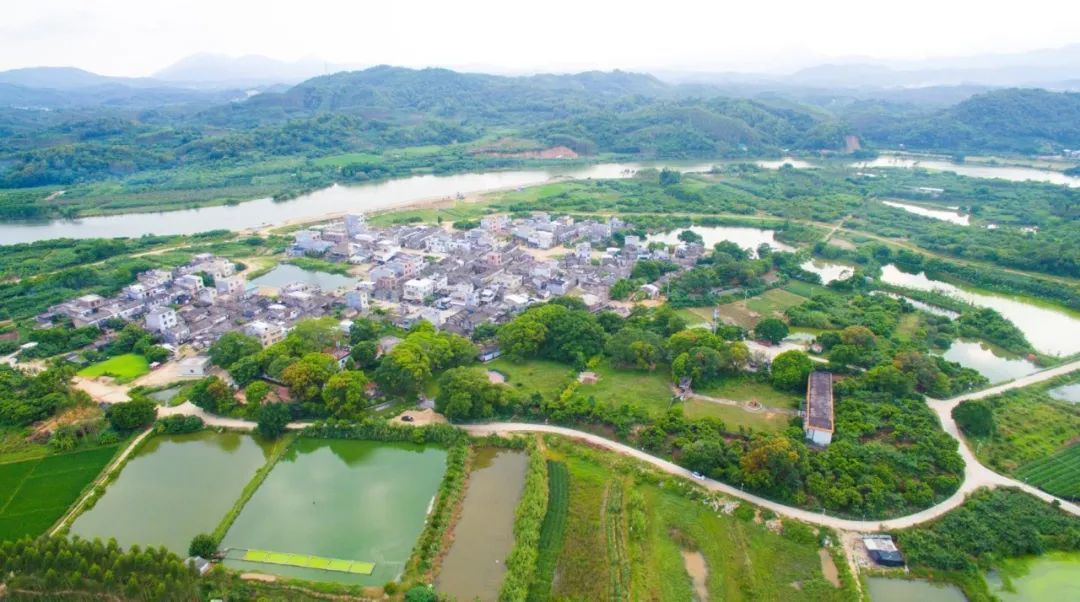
{"x": 975, "y": 474}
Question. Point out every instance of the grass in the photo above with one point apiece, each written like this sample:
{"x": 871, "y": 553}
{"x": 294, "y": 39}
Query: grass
{"x": 744, "y": 389}
{"x": 735, "y": 417}
{"x": 552, "y": 530}
{"x": 696, "y": 316}
{"x": 1030, "y": 425}
{"x": 804, "y": 289}
{"x": 534, "y": 376}
{"x": 656, "y": 521}
{"x": 124, "y": 368}
{"x": 650, "y": 390}
{"x": 34, "y": 494}
{"x": 312, "y": 562}
{"x": 1058, "y": 474}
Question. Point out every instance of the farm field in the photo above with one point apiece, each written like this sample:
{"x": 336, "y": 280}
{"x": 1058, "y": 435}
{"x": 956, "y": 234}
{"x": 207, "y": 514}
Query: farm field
{"x": 627, "y": 539}
{"x": 34, "y": 494}
{"x": 734, "y": 416}
{"x": 1058, "y": 474}
{"x": 124, "y": 368}
{"x": 1031, "y": 426}
{"x": 749, "y": 312}
{"x": 552, "y": 531}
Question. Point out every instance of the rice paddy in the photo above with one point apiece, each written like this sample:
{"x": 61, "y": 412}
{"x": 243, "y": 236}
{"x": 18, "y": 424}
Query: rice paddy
{"x": 1058, "y": 474}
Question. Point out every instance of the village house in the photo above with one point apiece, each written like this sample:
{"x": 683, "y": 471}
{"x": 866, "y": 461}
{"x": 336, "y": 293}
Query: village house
{"x": 818, "y": 415}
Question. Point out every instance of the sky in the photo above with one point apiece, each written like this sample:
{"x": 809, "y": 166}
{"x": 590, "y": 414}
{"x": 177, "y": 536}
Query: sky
{"x": 138, "y": 37}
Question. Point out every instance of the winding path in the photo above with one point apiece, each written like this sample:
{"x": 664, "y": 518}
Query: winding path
{"x": 975, "y": 474}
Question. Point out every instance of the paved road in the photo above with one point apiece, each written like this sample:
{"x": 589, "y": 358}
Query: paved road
{"x": 975, "y": 474}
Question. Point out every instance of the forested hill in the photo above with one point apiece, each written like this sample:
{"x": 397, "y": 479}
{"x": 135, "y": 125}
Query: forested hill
{"x": 1015, "y": 120}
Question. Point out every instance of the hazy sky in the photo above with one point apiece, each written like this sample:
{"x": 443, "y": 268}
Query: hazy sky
{"x": 137, "y": 37}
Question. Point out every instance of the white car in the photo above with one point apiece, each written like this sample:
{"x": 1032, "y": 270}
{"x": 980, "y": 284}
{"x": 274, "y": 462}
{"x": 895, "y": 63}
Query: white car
{"x": 698, "y": 476}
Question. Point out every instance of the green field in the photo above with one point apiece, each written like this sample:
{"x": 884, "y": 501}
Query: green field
{"x": 749, "y": 312}
{"x": 309, "y": 562}
{"x": 124, "y": 368}
{"x": 34, "y": 494}
{"x": 552, "y": 530}
{"x": 735, "y": 416}
{"x": 625, "y": 538}
{"x": 745, "y": 389}
{"x": 649, "y": 390}
{"x": 533, "y": 376}
{"x": 1058, "y": 474}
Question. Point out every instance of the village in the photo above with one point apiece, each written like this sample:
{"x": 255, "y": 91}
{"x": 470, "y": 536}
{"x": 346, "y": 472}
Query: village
{"x": 456, "y": 280}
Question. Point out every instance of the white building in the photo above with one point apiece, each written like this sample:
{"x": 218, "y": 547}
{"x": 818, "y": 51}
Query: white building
{"x": 418, "y": 289}
{"x": 161, "y": 319}
{"x": 268, "y": 333}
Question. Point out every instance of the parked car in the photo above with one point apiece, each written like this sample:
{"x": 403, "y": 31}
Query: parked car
{"x": 698, "y": 476}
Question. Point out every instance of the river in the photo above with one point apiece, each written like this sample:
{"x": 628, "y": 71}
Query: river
{"x": 1049, "y": 329}
{"x": 1011, "y": 173}
{"x": 334, "y": 199}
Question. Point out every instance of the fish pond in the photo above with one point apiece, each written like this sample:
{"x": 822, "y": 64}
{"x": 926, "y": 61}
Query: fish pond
{"x": 828, "y": 270}
{"x": 884, "y": 589}
{"x": 285, "y": 274}
{"x": 1050, "y": 329}
{"x": 1066, "y": 392}
{"x": 746, "y": 237}
{"x": 484, "y": 535}
{"x": 175, "y": 487}
{"x": 356, "y": 501}
{"x": 1053, "y": 576}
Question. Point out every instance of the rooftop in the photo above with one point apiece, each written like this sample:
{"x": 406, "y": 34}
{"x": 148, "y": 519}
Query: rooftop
{"x": 819, "y": 401}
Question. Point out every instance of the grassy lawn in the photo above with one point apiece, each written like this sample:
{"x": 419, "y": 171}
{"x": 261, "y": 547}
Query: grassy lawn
{"x": 534, "y": 376}
{"x": 771, "y": 303}
{"x": 735, "y": 416}
{"x": 624, "y": 540}
{"x": 34, "y": 494}
{"x": 744, "y": 389}
{"x": 651, "y": 390}
{"x": 804, "y": 289}
{"x": 124, "y": 368}
{"x": 696, "y": 316}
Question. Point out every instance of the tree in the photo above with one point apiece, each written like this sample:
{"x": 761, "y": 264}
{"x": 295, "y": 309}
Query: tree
{"x": 421, "y": 593}
{"x": 859, "y": 336}
{"x": 365, "y": 355}
{"x": 256, "y": 392}
{"x": 156, "y": 354}
{"x": 306, "y": 376}
{"x": 888, "y": 379}
{"x": 635, "y": 348}
{"x": 212, "y": 395}
{"x": 669, "y": 177}
{"x": 245, "y": 370}
{"x": 231, "y": 347}
{"x": 975, "y": 418}
{"x": 345, "y": 393}
{"x": 772, "y": 464}
{"x": 771, "y": 329}
{"x": 131, "y": 415}
{"x": 202, "y": 545}
{"x": 790, "y": 370}
{"x": 522, "y": 337}
{"x": 689, "y": 236}
{"x": 272, "y": 420}
{"x": 467, "y": 393}
{"x": 364, "y": 329}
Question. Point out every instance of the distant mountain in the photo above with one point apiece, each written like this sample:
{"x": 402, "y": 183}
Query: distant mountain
{"x": 1013, "y": 120}
{"x": 250, "y": 70}
{"x": 56, "y": 78}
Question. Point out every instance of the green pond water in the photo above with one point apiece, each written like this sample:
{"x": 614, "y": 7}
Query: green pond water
{"x": 474, "y": 567}
{"x": 884, "y": 589}
{"x": 997, "y": 365}
{"x": 286, "y": 273}
{"x": 1067, "y": 392}
{"x": 352, "y": 500}
{"x": 175, "y": 487}
{"x": 1054, "y": 576}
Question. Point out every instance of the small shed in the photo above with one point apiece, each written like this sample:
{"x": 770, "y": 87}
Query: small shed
{"x": 882, "y": 550}
{"x": 588, "y": 378}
